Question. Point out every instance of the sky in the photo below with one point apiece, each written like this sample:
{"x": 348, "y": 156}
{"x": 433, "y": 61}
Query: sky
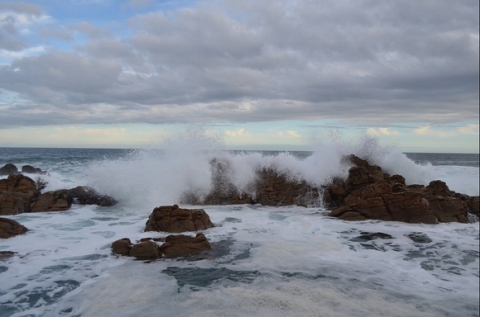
{"x": 270, "y": 74}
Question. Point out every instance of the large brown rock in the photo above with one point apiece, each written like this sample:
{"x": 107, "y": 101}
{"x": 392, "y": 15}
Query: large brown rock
{"x": 16, "y": 194}
{"x": 369, "y": 193}
{"x": 175, "y": 219}
{"x": 10, "y": 228}
{"x": 182, "y": 245}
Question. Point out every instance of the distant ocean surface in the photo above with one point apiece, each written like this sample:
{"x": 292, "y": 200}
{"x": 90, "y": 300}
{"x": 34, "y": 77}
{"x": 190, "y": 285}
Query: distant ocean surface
{"x": 268, "y": 261}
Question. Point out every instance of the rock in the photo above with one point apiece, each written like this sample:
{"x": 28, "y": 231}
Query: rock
{"x": 84, "y": 195}
{"x": 51, "y": 201}
{"x": 472, "y": 205}
{"x": 12, "y": 204}
{"x": 182, "y": 245}
{"x": 19, "y": 193}
{"x": 419, "y": 237}
{"x": 439, "y": 188}
{"x": 16, "y": 194}
{"x": 175, "y": 219}
{"x": 5, "y": 255}
{"x": 368, "y": 236}
{"x": 409, "y": 207}
{"x": 62, "y": 199}
{"x": 10, "y": 228}
{"x": 8, "y": 169}
{"x": 369, "y": 193}
{"x": 122, "y": 246}
{"x": 145, "y": 250}
{"x": 32, "y": 170}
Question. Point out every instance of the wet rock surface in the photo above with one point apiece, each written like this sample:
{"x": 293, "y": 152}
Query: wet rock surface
{"x": 19, "y": 193}
{"x": 10, "y": 228}
{"x": 175, "y": 219}
{"x": 16, "y": 194}
{"x": 169, "y": 219}
{"x": 369, "y": 193}
{"x": 174, "y": 246}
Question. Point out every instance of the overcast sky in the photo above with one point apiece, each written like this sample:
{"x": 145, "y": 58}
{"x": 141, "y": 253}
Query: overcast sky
{"x": 259, "y": 74}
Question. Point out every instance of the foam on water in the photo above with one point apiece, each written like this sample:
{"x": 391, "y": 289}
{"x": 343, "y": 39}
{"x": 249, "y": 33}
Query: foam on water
{"x": 295, "y": 261}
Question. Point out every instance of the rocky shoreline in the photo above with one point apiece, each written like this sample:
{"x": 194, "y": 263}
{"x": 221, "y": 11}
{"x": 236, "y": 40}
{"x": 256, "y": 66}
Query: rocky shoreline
{"x": 367, "y": 193}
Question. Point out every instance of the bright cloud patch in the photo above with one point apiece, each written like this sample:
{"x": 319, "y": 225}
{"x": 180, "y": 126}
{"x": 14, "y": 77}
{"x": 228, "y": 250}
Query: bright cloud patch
{"x": 381, "y": 131}
{"x": 469, "y": 129}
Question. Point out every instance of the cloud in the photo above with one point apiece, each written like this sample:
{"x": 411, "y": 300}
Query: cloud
{"x": 469, "y": 129}
{"x": 423, "y": 130}
{"x": 375, "y": 62}
{"x": 289, "y": 134}
{"x": 381, "y": 131}
{"x": 427, "y": 130}
{"x": 22, "y": 53}
{"x": 237, "y": 133}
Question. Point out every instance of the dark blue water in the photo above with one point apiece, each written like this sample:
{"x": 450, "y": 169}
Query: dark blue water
{"x": 451, "y": 159}
{"x": 75, "y": 156}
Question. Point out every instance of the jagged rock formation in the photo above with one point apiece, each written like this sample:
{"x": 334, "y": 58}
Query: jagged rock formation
{"x": 269, "y": 189}
{"x": 369, "y": 193}
{"x": 19, "y": 193}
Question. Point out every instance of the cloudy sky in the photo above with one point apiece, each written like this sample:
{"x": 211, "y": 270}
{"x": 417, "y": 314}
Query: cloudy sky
{"x": 273, "y": 74}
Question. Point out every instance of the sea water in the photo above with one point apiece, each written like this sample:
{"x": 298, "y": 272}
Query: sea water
{"x": 265, "y": 261}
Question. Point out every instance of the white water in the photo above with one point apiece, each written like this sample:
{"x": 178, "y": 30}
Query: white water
{"x": 285, "y": 261}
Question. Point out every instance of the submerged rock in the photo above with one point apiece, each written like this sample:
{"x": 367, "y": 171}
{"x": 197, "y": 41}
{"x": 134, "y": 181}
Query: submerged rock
{"x": 175, "y": 219}
{"x": 10, "y": 228}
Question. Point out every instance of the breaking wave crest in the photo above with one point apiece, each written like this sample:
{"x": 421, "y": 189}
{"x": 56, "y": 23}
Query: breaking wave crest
{"x": 184, "y": 165}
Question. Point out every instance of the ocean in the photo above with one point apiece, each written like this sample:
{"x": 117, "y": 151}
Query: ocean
{"x": 265, "y": 261}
